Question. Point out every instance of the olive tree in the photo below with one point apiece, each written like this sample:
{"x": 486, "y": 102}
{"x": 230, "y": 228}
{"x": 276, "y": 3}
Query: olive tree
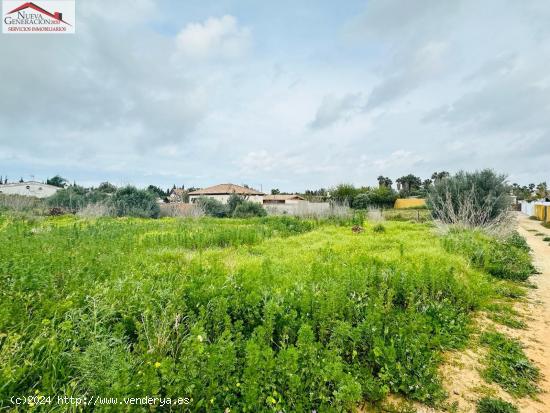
{"x": 471, "y": 199}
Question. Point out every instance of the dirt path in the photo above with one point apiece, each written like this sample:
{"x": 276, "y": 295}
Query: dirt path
{"x": 537, "y": 336}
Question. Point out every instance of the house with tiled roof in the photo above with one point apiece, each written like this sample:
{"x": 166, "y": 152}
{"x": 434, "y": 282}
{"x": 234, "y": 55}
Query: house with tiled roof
{"x": 222, "y": 192}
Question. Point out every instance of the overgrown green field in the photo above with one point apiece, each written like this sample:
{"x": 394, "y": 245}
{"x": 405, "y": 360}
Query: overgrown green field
{"x": 270, "y": 314}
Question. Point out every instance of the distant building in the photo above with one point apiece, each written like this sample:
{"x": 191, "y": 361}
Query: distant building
{"x": 177, "y": 195}
{"x": 222, "y": 193}
{"x": 282, "y": 199}
{"x": 30, "y": 188}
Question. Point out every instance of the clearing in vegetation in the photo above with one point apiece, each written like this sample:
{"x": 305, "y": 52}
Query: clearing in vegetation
{"x": 264, "y": 314}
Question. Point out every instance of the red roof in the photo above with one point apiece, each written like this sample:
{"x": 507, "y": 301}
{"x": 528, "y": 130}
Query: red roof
{"x": 30, "y": 5}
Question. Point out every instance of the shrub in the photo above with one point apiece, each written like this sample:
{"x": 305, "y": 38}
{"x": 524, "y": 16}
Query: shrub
{"x": 248, "y": 209}
{"x": 57, "y": 180}
{"x": 107, "y": 188}
{"x": 56, "y": 211}
{"x": 133, "y": 202}
{"x": 518, "y": 241}
{"x": 382, "y": 196}
{"x": 344, "y": 194}
{"x": 71, "y": 198}
{"x": 477, "y": 199}
{"x": 233, "y": 202}
{"x": 379, "y": 228}
{"x": 212, "y": 207}
{"x": 358, "y": 218}
{"x": 376, "y": 197}
{"x": 75, "y": 198}
{"x": 361, "y": 201}
{"x": 492, "y": 405}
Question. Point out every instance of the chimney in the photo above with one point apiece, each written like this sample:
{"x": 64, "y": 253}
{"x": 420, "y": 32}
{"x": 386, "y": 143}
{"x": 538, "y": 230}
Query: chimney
{"x": 58, "y": 16}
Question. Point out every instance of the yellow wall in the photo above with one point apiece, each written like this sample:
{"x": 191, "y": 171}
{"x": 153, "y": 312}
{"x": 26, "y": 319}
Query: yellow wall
{"x": 548, "y": 213}
{"x": 539, "y": 212}
{"x": 409, "y": 203}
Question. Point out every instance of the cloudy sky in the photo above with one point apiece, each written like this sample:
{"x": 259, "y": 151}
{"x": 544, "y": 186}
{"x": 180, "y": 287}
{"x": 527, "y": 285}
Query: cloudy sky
{"x": 288, "y": 94}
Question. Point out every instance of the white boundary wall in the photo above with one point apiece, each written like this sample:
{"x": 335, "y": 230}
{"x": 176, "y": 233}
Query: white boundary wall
{"x": 528, "y": 208}
{"x": 36, "y": 189}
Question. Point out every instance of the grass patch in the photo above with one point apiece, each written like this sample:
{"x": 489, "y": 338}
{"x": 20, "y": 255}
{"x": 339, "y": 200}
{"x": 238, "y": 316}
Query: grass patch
{"x": 252, "y": 315}
{"x": 503, "y": 313}
{"x": 508, "y": 366}
{"x": 512, "y": 290}
{"x": 546, "y": 239}
{"x": 506, "y": 259}
{"x": 493, "y": 405}
{"x": 508, "y": 320}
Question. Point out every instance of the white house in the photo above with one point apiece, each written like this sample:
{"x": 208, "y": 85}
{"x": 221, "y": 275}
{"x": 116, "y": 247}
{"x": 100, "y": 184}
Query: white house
{"x": 31, "y": 188}
{"x": 222, "y": 193}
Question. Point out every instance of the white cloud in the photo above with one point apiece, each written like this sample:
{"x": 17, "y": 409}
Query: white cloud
{"x": 151, "y": 96}
{"x": 215, "y": 37}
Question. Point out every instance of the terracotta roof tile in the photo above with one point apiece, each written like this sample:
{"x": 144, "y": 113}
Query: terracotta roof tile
{"x": 226, "y": 189}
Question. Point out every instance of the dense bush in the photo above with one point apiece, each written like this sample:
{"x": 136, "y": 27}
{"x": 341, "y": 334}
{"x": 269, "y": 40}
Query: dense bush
{"x": 344, "y": 194}
{"x": 473, "y": 199}
{"x": 507, "y": 258}
{"x": 233, "y": 202}
{"x": 376, "y": 197}
{"x": 248, "y": 209}
{"x": 212, "y": 207}
{"x": 382, "y": 196}
{"x": 361, "y": 201}
{"x": 72, "y": 198}
{"x": 133, "y": 202}
{"x": 237, "y": 207}
{"x": 57, "y": 180}
{"x": 75, "y": 198}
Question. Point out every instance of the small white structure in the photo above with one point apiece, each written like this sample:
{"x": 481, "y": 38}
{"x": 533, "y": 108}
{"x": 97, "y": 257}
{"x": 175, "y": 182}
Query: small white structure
{"x": 222, "y": 193}
{"x": 31, "y": 188}
{"x": 283, "y": 199}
